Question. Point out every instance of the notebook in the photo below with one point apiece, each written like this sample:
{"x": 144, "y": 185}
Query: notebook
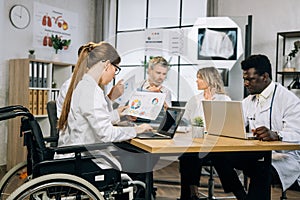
{"x": 167, "y": 127}
{"x": 225, "y": 118}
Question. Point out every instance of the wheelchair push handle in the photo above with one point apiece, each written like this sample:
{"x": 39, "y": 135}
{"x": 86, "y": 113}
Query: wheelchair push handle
{"x": 13, "y": 107}
{"x": 10, "y": 112}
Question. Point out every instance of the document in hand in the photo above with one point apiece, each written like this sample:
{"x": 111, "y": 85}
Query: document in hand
{"x": 145, "y": 104}
{"x": 129, "y": 87}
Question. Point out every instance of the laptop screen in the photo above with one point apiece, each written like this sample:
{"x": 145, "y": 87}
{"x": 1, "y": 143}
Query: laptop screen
{"x": 170, "y": 121}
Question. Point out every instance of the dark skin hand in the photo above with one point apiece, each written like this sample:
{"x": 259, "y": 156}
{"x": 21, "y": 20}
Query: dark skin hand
{"x": 265, "y": 134}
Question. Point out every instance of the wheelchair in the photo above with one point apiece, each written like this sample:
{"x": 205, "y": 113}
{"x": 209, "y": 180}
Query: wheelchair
{"x": 78, "y": 177}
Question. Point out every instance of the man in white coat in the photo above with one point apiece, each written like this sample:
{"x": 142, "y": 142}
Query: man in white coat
{"x": 272, "y": 113}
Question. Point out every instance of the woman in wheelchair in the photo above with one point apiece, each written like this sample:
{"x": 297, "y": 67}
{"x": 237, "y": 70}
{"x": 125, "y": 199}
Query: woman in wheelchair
{"x": 85, "y": 117}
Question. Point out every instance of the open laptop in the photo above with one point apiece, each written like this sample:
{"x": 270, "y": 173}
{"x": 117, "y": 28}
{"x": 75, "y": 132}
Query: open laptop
{"x": 225, "y": 118}
{"x": 167, "y": 127}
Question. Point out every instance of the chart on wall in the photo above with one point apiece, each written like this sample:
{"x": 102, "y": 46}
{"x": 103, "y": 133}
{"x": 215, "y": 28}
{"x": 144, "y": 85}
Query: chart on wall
{"x": 52, "y": 21}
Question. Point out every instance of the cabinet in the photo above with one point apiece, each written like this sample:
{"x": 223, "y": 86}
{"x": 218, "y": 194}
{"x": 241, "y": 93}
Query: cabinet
{"x": 32, "y": 83}
{"x": 284, "y": 44}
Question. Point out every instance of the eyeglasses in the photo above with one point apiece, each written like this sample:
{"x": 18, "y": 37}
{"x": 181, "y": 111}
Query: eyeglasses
{"x": 118, "y": 69}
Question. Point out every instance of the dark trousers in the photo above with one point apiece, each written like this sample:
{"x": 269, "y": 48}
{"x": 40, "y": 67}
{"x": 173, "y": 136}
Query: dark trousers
{"x": 250, "y": 163}
{"x": 190, "y": 165}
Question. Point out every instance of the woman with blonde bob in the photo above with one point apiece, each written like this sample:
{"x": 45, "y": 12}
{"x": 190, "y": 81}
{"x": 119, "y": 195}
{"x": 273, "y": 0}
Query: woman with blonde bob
{"x": 210, "y": 82}
{"x": 85, "y": 117}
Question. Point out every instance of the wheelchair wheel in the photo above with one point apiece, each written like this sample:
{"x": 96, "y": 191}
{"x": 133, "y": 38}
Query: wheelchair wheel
{"x": 13, "y": 179}
{"x": 56, "y": 186}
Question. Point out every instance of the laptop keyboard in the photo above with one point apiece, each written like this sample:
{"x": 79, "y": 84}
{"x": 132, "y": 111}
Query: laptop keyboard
{"x": 151, "y": 134}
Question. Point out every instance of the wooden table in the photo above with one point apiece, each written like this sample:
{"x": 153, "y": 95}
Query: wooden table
{"x": 183, "y": 143}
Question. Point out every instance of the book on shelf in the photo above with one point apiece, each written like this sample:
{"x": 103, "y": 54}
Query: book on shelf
{"x": 54, "y": 94}
{"x": 34, "y": 102}
{"x": 30, "y": 102}
{"x": 44, "y": 79}
{"x": 40, "y": 75}
{"x": 45, "y": 101}
{"x": 35, "y": 74}
{"x": 30, "y": 74}
{"x": 40, "y": 102}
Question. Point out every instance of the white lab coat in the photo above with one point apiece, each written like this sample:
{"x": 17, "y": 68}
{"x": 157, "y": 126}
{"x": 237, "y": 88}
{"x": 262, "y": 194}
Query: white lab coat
{"x": 285, "y": 120}
{"x": 89, "y": 121}
{"x": 62, "y": 95}
{"x": 194, "y": 106}
{"x": 141, "y": 86}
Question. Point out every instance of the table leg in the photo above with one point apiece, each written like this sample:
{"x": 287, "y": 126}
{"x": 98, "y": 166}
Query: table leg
{"x": 149, "y": 178}
{"x": 268, "y": 162}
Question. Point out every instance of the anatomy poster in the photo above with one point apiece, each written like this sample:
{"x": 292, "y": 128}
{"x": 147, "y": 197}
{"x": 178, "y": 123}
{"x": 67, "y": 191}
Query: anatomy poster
{"x": 49, "y": 20}
{"x": 145, "y": 104}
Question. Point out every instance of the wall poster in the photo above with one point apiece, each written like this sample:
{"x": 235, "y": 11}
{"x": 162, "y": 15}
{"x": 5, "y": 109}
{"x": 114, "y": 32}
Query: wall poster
{"x": 49, "y": 20}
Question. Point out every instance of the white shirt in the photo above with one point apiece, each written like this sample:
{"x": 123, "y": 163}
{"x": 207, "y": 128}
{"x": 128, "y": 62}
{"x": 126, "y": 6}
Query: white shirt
{"x": 62, "y": 95}
{"x": 285, "y": 119}
{"x": 89, "y": 121}
{"x": 194, "y": 106}
{"x": 143, "y": 85}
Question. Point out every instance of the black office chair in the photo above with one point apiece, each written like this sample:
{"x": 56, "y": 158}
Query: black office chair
{"x": 208, "y": 166}
{"x": 277, "y": 183}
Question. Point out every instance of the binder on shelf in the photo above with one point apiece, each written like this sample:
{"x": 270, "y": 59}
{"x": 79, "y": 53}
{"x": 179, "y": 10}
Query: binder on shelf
{"x": 35, "y": 74}
{"x": 40, "y": 75}
{"x": 30, "y": 74}
{"x": 40, "y": 102}
{"x": 34, "y": 102}
{"x": 54, "y": 94}
{"x": 45, "y": 101}
{"x": 44, "y": 83}
{"x": 30, "y": 102}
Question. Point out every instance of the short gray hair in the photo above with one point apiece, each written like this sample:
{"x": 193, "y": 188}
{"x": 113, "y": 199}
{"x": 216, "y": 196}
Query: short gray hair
{"x": 158, "y": 60}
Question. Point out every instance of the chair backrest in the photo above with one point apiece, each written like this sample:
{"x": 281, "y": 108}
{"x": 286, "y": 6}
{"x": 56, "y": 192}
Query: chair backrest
{"x": 52, "y": 116}
{"x": 35, "y": 142}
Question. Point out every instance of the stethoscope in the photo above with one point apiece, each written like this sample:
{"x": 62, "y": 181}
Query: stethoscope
{"x": 271, "y": 106}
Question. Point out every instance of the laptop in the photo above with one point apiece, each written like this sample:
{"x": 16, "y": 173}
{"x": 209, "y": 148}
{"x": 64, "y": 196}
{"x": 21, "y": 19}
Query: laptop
{"x": 167, "y": 127}
{"x": 225, "y": 118}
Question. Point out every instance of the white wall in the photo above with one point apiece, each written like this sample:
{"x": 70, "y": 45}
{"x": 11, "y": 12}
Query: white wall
{"x": 269, "y": 17}
{"x": 15, "y": 43}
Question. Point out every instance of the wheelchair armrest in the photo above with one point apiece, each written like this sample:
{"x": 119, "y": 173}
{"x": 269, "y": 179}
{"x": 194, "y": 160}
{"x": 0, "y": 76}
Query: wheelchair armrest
{"x": 80, "y": 148}
{"x": 51, "y": 139}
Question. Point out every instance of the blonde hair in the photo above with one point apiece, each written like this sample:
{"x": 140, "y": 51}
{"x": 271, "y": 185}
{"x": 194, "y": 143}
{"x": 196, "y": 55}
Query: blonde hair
{"x": 213, "y": 78}
{"x": 158, "y": 60}
{"x": 89, "y": 55}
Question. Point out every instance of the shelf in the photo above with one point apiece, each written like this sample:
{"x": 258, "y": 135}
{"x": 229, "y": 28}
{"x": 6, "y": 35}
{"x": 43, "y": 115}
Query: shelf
{"x": 289, "y": 73}
{"x": 283, "y": 38}
{"x": 40, "y": 116}
{"x": 39, "y": 88}
{"x": 291, "y": 34}
{"x": 34, "y": 98}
